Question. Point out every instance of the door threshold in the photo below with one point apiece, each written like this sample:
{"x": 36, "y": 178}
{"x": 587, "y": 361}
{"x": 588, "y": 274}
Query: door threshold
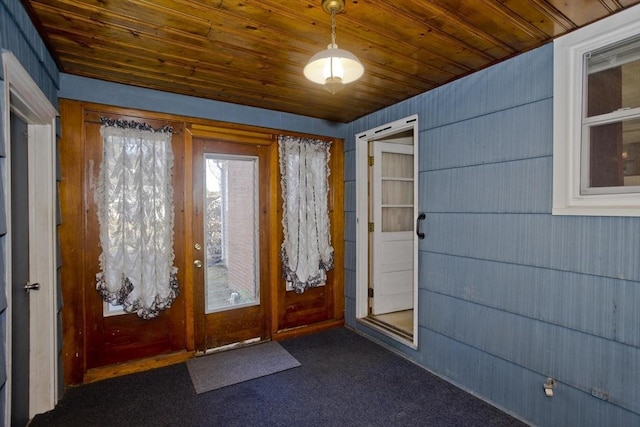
{"x": 391, "y": 328}
{"x": 389, "y": 331}
{"x": 244, "y": 343}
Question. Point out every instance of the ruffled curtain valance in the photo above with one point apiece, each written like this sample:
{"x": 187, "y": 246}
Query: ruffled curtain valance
{"x": 306, "y": 251}
{"x": 134, "y": 197}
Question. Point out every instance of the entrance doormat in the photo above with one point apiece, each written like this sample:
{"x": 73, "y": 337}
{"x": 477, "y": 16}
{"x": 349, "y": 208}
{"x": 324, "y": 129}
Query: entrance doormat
{"x": 229, "y": 367}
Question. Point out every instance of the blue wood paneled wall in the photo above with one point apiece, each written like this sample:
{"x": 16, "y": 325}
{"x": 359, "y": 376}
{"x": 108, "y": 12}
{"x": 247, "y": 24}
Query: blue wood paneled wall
{"x": 102, "y": 92}
{"x": 509, "y": 294}
{"x": 19, "y": 36}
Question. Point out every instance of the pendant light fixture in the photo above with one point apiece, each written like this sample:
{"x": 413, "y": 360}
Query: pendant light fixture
{"x": 333, "y": 67}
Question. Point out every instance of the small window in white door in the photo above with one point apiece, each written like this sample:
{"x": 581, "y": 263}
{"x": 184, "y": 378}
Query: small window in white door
{"x": 396, "y": 177}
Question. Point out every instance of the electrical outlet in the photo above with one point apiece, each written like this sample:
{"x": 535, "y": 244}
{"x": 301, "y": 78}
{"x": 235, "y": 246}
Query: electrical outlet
{"x": 602, "y": 395}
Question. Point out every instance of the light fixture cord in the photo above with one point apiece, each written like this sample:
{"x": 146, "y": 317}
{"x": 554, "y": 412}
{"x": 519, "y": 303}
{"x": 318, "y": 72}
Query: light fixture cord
{"x": 333, "y": 26}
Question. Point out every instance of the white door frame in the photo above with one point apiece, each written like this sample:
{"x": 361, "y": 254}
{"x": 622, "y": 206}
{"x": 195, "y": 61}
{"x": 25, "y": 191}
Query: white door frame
{"x": 23, "y": 97}
{"x": 362, "y": 214}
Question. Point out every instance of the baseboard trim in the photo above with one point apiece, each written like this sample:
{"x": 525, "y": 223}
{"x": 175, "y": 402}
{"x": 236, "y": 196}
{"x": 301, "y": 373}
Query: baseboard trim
{"x": 307, "y": 329}
{"x": 111, "y": 371}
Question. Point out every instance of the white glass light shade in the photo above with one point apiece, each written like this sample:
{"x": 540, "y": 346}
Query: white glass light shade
{"x": 333, "y": 63}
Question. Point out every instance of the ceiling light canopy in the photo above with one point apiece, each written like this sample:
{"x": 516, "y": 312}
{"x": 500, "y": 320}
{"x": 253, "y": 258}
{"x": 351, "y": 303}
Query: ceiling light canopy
{"x": 333, "y": 67}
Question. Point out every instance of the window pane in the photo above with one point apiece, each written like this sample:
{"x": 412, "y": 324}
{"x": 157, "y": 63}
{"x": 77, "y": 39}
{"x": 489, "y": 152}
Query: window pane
{"x": 396, "y": 165}
{"x": 230, "y": 227}
{"x": 397, "y": 219}
{"x": 614, "y": 154}
{"x": 613, "y": 77}
{"x": 397, "y": 192}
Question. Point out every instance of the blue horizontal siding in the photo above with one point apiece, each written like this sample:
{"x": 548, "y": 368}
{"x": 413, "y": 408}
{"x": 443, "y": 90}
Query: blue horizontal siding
{"x": 350, "y": 254}
{"x": 606, "y": 307}
{"x": 350, "y": 159}
{"x": 510, "y": 294}
{"x": 31, "y": 52}
{"x": 519, "y": 133}
{"x": 350, "y": 280}
{"x": 350, "y": 226}
{"x": 350, "y": 196}
{"x": 516, "y": 389}
{"x": 542, "y": 347}
{"x": 522, "y": 80}
{"x": 350, "y": 309}
{"x": 517, "y": 186}
{"x": 601, "y": 246}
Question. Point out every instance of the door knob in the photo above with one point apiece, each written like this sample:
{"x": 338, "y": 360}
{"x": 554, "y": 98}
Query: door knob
{"x": 32, "y": 287}
{"x": 197, "y": 263}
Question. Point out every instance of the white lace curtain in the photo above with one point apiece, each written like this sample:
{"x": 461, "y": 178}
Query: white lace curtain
{"x": 134, "y": 198}
{"x": 306, "y": 251}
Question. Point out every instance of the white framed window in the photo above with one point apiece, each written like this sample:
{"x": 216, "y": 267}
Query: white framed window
{"x": 596, "y": 135}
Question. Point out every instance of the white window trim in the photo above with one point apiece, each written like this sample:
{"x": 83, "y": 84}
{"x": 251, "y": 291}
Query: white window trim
{"x": 567, "y": 106}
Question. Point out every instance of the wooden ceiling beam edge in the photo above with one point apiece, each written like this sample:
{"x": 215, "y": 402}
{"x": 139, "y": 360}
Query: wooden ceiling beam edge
{"x": 554, "y": 14}
{"x": 517, "y": 20}
{"x": 471, "y": 29}
{"x": 613, "y": 7}
{"x": 435, "y": 31}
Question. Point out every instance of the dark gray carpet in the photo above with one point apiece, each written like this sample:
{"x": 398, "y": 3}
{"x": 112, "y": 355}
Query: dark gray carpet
{"x": 230, "y": 367}
{"x": 344, "y": 380}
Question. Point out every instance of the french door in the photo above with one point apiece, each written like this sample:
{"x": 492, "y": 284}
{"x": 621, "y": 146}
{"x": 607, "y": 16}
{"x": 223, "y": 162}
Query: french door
{"x": 229, "y": 241}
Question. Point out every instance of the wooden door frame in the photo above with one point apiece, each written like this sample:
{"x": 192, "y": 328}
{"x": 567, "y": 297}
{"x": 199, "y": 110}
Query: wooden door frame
{"x": 73, "y": 178}
{"x": 23, "y": 96}
{"x": 267, "y": 217}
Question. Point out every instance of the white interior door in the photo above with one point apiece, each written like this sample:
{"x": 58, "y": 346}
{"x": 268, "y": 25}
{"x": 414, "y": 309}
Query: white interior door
{"x": 392, "y": 210}
{"x": 22, "y": 97}
{"x": 386, "y": 242}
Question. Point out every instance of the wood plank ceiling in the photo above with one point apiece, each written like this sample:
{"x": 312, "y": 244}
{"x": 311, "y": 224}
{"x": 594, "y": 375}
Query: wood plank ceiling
{"x": 252, "y": 52}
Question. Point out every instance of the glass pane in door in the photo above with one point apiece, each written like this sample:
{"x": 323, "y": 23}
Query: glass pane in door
{"x": 397, "y": 219}
{"x": 397, "y": 165}
{"x": 231, "y": 230}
